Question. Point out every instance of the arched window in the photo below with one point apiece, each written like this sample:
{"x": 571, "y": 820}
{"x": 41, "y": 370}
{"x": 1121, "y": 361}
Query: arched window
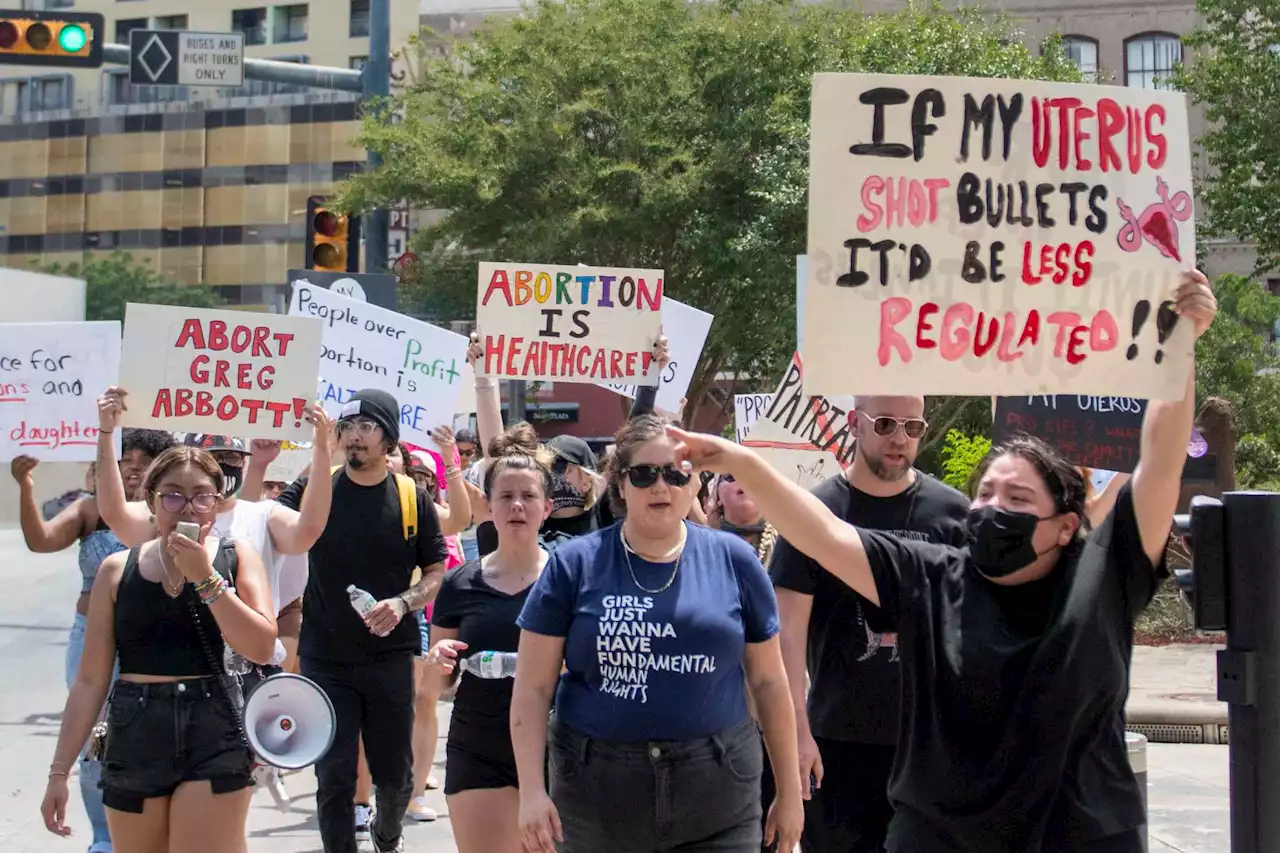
{"x": 1149, "y": 60}
{"x": 1083, "y": 51}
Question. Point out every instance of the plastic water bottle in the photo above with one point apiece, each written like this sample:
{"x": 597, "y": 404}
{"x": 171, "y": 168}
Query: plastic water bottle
{"x": 362, "y": 601}
{"x": 490, "y": 664}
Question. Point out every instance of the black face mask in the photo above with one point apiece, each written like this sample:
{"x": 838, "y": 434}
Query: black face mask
{"x": 565, "y": 495}
{"x": 232, "y": 479}
{"x": 1000, "y": 540}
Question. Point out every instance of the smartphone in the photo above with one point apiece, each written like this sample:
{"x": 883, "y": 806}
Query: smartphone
{"x": 189, "y": 529}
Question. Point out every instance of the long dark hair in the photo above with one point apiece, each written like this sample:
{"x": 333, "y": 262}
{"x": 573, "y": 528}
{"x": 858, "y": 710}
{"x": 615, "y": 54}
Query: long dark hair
{"x": 1064, "y": 482}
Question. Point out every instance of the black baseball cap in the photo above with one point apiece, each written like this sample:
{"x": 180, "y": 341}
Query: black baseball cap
{"x": 217, "y": 443}
{"x": 573, "y": 450}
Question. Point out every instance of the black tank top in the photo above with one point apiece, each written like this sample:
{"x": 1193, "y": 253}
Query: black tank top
{"x": 155, "y": 634}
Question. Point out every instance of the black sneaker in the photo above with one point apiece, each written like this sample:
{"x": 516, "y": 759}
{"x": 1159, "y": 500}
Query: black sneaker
{"x": 364, "y": 820}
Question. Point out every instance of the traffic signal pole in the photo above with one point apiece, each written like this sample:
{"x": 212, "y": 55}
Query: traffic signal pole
{"x": 373, "y": 83}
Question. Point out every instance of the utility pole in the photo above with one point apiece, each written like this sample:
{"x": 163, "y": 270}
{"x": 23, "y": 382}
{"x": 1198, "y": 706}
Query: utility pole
{"x": 377, "y": 84}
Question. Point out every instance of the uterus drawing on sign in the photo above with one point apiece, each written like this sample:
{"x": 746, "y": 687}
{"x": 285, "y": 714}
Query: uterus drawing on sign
{"x": 1158, "y": 224}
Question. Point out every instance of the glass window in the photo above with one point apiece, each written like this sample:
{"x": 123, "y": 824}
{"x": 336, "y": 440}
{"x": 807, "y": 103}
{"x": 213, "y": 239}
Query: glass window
{"x": 1084, "y": 53}
{"x": 120, "y": 91}
{"x": 291, "y": 23}
{"x": 251, "y": 22}
{"x": 49, "y": 93}
{"x": 1150, "y": 60}
{"x": 359, "y": 18}
{"x": 124, "y": 26}
{"x": 357, "y": 63}
{"x": 171, "y": 22}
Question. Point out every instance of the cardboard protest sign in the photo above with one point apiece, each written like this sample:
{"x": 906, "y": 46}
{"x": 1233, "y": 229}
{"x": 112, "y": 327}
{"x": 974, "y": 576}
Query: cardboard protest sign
{"x": 802, "y": 274}
{"x": 294, "y": 458}
{"x": 805, "y": 438}
{"x": 747, "y": 409}
{"x": 984, "y": 236}
{"x": 685, "y": 329}
{"x": 569, "y": 324}
{"x": 50, "y": 377}
{"x": 365, "y": 346}
{"x": 222, "y": 372}
{"x": 1095, "y": 432}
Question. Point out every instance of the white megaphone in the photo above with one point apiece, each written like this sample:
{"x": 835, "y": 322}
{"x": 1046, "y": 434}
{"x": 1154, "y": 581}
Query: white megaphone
{"x": 289, "y": 721}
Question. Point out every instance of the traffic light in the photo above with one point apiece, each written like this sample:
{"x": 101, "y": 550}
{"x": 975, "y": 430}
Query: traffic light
{"x": 55, "y": 38}
{"x": 333, "y": 238}
{"x": 1202, "y": 533}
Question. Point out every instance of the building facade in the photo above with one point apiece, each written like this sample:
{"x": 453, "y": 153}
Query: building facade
{"x": 205, "y": 185}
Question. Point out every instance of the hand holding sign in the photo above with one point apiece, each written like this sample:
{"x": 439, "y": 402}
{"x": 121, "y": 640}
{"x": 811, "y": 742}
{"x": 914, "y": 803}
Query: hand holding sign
{"x": 111, "y": 408}
{"x": 1196, "y": 302}
{"x": 21, "y": 468}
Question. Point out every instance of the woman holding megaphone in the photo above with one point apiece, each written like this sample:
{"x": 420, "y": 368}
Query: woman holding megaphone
{"x": 176, "y": 761}
{"x": 1015, "y": 649}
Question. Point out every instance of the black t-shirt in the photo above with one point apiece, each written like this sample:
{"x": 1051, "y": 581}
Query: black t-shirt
{"x": 1013, "y": 699}
{"x": 485, "y": 619}
{"x": 852, "y": 656}
{"x": 363, "y": 544}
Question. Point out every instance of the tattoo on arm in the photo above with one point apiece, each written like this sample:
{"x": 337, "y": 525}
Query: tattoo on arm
{"x": 425, "y": 589}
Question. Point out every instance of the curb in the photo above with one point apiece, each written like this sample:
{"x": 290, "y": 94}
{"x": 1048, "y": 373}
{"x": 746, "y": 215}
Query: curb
{"x": 1172, "y": 721}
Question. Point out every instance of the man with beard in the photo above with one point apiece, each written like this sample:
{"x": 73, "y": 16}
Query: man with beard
{"x": 365, "y": 664}
{"x": 848, "y": 729}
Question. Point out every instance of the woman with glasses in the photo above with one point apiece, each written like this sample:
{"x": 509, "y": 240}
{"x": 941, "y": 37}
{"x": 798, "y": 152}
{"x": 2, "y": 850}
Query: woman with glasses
{"x": 1016, "y": 649}
{"x": 660, "y": 626}
{"x": 176, "y": 766}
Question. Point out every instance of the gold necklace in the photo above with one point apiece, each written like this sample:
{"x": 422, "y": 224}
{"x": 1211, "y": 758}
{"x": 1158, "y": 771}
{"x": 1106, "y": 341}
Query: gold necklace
{"x": 626, "y": 553}
{"x": 171, "y": 591}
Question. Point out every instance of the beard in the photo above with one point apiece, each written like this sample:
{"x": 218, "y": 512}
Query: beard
{"x": 357, "y": 457}
{"x": 882, "y": 470}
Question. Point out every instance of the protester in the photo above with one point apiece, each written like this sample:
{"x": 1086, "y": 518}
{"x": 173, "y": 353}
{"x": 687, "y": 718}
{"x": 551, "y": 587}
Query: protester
{"x": 476, "y": 612}
{"x": 578, "y": 506}
{"x": 839, "y": 643}
{"x": 653, "y": 748}
{"x": 81, "y": 521}
{"x": 365, "y": 665}
{"x": 730, "y": 509}
{"x": 1015, "y": 650}
{"x": 271, "y": 489}
{"x": 176, "y": 765}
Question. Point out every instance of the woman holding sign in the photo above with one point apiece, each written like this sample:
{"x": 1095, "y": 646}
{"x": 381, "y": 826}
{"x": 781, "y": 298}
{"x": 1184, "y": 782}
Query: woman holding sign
{"x": 1015, "y": 650}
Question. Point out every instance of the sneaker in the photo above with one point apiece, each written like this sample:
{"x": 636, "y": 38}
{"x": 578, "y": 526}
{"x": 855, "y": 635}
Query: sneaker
{"x": 364, "y": 820}
{"x": 432, "y": 783}
{"x": 420, "y": 811}
{"x": 268, "y": 777}
{"x": 398, "y": 848}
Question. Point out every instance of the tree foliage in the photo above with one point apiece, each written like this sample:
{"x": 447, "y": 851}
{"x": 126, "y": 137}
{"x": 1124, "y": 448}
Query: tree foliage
{"x": 648, "y": 133}
{"x": 961, "y": 454}
{"x": 1236, "y": 78}
{"x": 116, "y": 280}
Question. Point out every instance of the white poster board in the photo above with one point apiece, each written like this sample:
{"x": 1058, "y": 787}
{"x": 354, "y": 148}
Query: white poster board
{"x": 36, "y": 297}
{"x": 805, "y": 438}
{"x": 50, "y": 377}
{"x": 294, "y": 458}
{"x": 747, "y": 409}
{"x": 802, "y": 273}
{"x": 569, "y": 324}
{"x": 686, "y": 329}
{"x": 365, "y": 346}
{"x": 991, "y": 236}
{"x": 221, "y": 372}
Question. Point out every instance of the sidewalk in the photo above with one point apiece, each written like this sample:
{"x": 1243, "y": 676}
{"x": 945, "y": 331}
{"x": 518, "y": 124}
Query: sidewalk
{"x": 1173, "y": 694}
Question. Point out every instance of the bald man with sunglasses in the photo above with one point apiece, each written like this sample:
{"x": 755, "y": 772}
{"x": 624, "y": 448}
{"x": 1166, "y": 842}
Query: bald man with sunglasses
{"x": 847, "y": 724}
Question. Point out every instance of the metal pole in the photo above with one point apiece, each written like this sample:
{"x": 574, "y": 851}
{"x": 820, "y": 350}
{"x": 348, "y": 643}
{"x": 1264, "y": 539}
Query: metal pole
{"x": 515, "y": 394}
{"x": 377, "y": 84}
{"x": 273, "y": 71}
{"x": 1249, "y": 668}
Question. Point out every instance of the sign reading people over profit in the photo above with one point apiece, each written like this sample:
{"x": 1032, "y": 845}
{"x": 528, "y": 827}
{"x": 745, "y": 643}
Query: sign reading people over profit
{"x": 983, "y": 236}
{"x": 569, "y": 324}
{"x": 685, "y": 329}
{"x": 1095, "y": 432}
{"x": 365, "y": 346}
{"x": 805, "y": 438}
{"x": 223, "y": 372}
{"x": 50, "y": 377}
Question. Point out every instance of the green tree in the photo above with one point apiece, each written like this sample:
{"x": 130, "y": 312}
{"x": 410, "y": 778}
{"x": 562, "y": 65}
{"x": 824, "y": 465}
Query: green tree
{"x": 1235, "y": 78}
{"x": 116, "y": 280}
{"x": 648, "y": 133}
{"x": 961, "y": 455}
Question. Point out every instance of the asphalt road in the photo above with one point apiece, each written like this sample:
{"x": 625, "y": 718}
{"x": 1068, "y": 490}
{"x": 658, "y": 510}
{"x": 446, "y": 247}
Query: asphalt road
{"x": 1188, "y": 784}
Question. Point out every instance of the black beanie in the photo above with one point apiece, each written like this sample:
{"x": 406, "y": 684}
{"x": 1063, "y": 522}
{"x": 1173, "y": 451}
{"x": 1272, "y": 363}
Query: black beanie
{"x": 378, "y": 406}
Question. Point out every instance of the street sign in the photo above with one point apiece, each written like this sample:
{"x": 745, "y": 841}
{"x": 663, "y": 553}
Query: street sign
{"x": 375, "y": 288}
{"x": 181, "y": 58}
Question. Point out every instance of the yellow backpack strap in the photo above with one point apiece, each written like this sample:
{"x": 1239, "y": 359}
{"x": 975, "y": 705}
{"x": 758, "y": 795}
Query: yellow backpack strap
{"x": 408, "y": 505}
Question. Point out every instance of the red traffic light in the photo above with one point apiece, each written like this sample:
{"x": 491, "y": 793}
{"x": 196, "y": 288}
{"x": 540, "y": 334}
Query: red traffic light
{"x": 327, "y": 223}
{"x": 8, "y": 34}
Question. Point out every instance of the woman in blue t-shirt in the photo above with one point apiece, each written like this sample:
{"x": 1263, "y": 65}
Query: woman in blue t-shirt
{"x": 655, "y": 622}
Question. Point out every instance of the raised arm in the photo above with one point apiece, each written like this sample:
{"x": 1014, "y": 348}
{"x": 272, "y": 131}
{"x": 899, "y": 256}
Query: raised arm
{"x": 128, "y": 520}
{"x": 1166, "y": 429}
{"x": 45, "y": 537}
{"x": 294, "y": 532}
{"x": 488, "y": 402}
{"x": 798, "y": 516}
{"x": 244, "y": 616}
{"x": 456, "y": 515}
{"x": 647, "y": 395}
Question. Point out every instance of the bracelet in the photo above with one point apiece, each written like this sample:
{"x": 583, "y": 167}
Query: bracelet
{"x": 54, "y": 771}
{"x": 208, "y": 583}
{"x": 450, "y": 473}
{"x": 211, "y": 594}
{"x": 62, "y": 773}
{"x": 102, "y": 431}
{"x": 407, "y": 609}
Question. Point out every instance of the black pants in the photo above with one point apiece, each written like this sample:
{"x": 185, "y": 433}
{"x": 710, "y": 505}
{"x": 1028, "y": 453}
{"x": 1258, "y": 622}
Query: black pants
{"x": 374, "y": 700}
{"x": 850, "y": 813}
{"x": 694, "y": 796}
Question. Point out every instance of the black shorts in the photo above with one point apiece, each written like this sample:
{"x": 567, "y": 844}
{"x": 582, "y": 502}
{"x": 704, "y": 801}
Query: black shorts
{"x": 161, "y": 735}
{"x": 466, "y": 770}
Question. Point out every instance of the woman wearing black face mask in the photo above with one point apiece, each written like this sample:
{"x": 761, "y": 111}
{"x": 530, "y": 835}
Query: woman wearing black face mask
{"x": 1015, "y": 650}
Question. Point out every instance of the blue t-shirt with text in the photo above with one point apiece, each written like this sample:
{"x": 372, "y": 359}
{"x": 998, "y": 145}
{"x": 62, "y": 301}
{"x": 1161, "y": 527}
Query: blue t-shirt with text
{"x": 644, "y": 666}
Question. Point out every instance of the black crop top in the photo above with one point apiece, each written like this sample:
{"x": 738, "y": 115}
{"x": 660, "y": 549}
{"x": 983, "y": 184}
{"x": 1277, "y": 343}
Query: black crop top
{"x": 155, "y": 634}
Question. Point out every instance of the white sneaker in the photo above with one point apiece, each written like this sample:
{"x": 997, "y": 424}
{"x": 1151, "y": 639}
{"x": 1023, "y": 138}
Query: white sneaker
{"x": 268, "y": 777}
{"x": 420, "y": 811}
{"x": 399, "y": 848}
{"x": 364, "y": 820}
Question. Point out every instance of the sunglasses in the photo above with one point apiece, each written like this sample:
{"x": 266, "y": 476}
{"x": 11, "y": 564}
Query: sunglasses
{"x": 727, "y": 478}
{"x": 175, "y": 503}
{"x": 885, "y": 426}
{"x": 644, "y": 476}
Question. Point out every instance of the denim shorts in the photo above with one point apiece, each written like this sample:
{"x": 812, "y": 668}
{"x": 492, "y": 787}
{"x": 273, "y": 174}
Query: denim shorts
{"x": 424, "y": 631}
{"x": 161, "y": 735}
{"x": 639, "y": 797}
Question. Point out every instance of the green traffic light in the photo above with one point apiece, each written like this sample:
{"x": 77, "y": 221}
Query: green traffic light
{"x": 72, "y": 38}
